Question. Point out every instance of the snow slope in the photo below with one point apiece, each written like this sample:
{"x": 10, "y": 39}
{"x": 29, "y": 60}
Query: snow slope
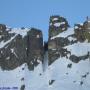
{"x": 33, "y": 80}
{"x": 77, "y": 77}
{"x": 65, "y": 78}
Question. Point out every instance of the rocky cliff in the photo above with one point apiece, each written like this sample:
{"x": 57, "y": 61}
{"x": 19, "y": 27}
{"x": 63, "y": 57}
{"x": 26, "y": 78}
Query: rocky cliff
{"x": 62, "y": 38}
{"x": 19, "y": 46}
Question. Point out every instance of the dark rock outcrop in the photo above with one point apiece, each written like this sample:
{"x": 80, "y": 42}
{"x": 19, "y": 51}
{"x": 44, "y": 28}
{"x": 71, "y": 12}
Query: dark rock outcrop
{"x": 57, "y": 44}
{"x": 2, "y": 27}
{"x": 76, "y": 59}
{"x": 56, "y": 50}
{"x": 34, "y": 47}
{"x": 16, "y": 50}
{"x": 13, "y": 54}
{"x": 57, "y": 24}
{"x": 22, "y": 87}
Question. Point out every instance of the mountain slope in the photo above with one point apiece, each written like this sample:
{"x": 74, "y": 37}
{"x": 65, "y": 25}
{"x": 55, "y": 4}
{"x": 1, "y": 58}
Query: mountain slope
{"x": 69, "y": 56}
{"x": 65, "y": 65}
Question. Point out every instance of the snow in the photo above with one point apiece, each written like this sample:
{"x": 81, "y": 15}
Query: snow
{"x": 63, "y": 29}
{"x": 64, "y": 34}
{"x": 7, "y": 58}
{"x": 78, "y": 76}
{"x": 81, "y": 24}
{"x": 16, "y": 76}
{"x": 71, "y": 39}
{"x": 38, "y": 36}
{"x": 2, "y": 43}
{"x": 20, "y": 31}
{"x": 69, "y": 78}
{"x": 76, "y": 27}
{"x": 58, "y": 24}
{"x": 50, "y": 24}
{"x": 12, "y": 50}
{"x": 17, "y": 31}
{"x": 55, "y": 19}
{"x": 79, "y": 49}
{"x": 12, "y": 78}
{"x": 65, "y": 78}
{"x": 88, "y": 21}
{"x": 33, "y": 80}
{"x": 57, "y": 71}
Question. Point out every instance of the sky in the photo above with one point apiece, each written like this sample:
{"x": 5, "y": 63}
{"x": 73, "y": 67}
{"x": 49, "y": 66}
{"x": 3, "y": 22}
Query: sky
{"x": 36, "y": 13}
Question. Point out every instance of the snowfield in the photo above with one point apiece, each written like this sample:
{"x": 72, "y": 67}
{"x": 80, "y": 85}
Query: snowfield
{"x": 79, "y": 49}
{"x": 33, "y": 80}
{"x": 64, "y": 78}
{"x": 70, "y": 78}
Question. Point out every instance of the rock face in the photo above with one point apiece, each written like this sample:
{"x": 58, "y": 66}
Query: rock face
{"x": 20, "y": 46}
{"x": 34, "y": 47}
{"x": 57, "y": 24}
{"x": 64, "y": 41}
{"x": 13, "y": 54}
